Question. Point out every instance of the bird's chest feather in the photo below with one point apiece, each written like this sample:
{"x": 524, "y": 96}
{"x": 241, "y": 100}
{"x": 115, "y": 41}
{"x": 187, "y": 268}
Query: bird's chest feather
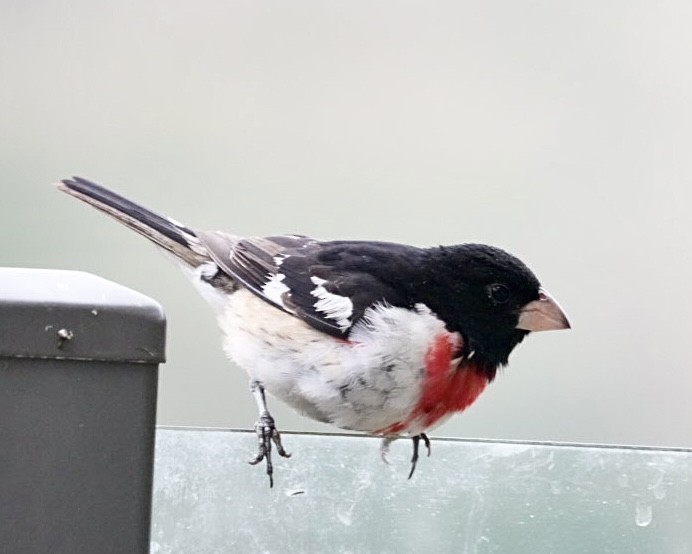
{"x": 396, "y": 373}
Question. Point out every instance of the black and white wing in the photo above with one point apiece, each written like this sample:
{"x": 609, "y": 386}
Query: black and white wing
{"x": 329, "y": 285}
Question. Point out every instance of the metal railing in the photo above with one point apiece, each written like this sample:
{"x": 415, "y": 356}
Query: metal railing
{"x": 335, "y": 494}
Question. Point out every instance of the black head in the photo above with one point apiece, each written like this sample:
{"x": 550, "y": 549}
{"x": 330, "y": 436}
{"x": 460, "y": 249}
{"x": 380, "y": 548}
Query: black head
{"x": 482, "y": 292}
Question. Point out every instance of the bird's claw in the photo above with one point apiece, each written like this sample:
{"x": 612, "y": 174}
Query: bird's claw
{"x": 416, "y": 442}
{"x": 386, "y": 441}
{"x": 267, "y": 433}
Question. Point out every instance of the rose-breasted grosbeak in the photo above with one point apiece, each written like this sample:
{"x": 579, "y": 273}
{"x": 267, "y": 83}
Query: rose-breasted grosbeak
{"x": 383, "y": 338}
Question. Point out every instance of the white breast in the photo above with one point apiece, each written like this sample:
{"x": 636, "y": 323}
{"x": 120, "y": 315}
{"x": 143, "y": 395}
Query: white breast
{"x": 367, "y": 383}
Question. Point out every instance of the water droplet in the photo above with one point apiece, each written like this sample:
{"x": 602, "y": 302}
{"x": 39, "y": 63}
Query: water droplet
{"x": 643, "y": 514}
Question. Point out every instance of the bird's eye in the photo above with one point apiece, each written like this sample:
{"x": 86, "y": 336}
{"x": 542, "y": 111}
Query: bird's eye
{"x": 498, "y": 293}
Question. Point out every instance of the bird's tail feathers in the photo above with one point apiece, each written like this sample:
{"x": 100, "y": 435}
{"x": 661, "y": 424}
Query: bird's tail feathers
{"x": 170, "y": 235}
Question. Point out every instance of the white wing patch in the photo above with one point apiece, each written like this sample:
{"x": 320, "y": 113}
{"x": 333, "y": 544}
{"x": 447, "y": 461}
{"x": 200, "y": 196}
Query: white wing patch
{"x": 274, "y": 289}
{"x": 336, "y": 307}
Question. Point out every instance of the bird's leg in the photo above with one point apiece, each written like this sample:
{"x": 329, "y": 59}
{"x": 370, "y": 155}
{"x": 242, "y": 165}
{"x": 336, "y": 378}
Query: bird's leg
{"x": 384, "y": 447}
{"x": 266, "y": 432}
{"x": 416, "y": 441}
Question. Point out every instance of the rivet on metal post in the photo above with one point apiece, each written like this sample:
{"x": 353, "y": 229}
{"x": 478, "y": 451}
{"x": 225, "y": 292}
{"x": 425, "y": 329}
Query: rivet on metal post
{"x": 63, "y": 336}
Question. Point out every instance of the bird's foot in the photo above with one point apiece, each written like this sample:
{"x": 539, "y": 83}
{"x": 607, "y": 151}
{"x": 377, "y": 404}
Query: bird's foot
{"x": 384, "y": 448}
{"x": 266, "y": 434}
{"x": 416, "y": 442}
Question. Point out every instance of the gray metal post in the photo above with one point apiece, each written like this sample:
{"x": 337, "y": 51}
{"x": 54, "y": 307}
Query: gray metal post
{"x": 79, "y": 362}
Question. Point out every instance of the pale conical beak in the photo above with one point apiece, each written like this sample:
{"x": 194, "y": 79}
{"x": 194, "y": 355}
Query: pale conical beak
{"x": 544, "y": 314}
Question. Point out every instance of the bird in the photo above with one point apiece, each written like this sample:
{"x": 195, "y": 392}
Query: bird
{"x": 377, "y": 337}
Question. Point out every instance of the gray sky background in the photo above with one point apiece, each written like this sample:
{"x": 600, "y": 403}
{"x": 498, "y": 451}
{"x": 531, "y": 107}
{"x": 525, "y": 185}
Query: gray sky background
{"x": 559, "y": 131}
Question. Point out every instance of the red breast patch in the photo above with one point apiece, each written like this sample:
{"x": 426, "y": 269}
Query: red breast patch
{"x": 446, "y": 389}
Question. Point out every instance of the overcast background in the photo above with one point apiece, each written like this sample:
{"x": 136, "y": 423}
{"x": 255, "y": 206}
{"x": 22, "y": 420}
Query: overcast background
{"x": 559, "y": 131}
